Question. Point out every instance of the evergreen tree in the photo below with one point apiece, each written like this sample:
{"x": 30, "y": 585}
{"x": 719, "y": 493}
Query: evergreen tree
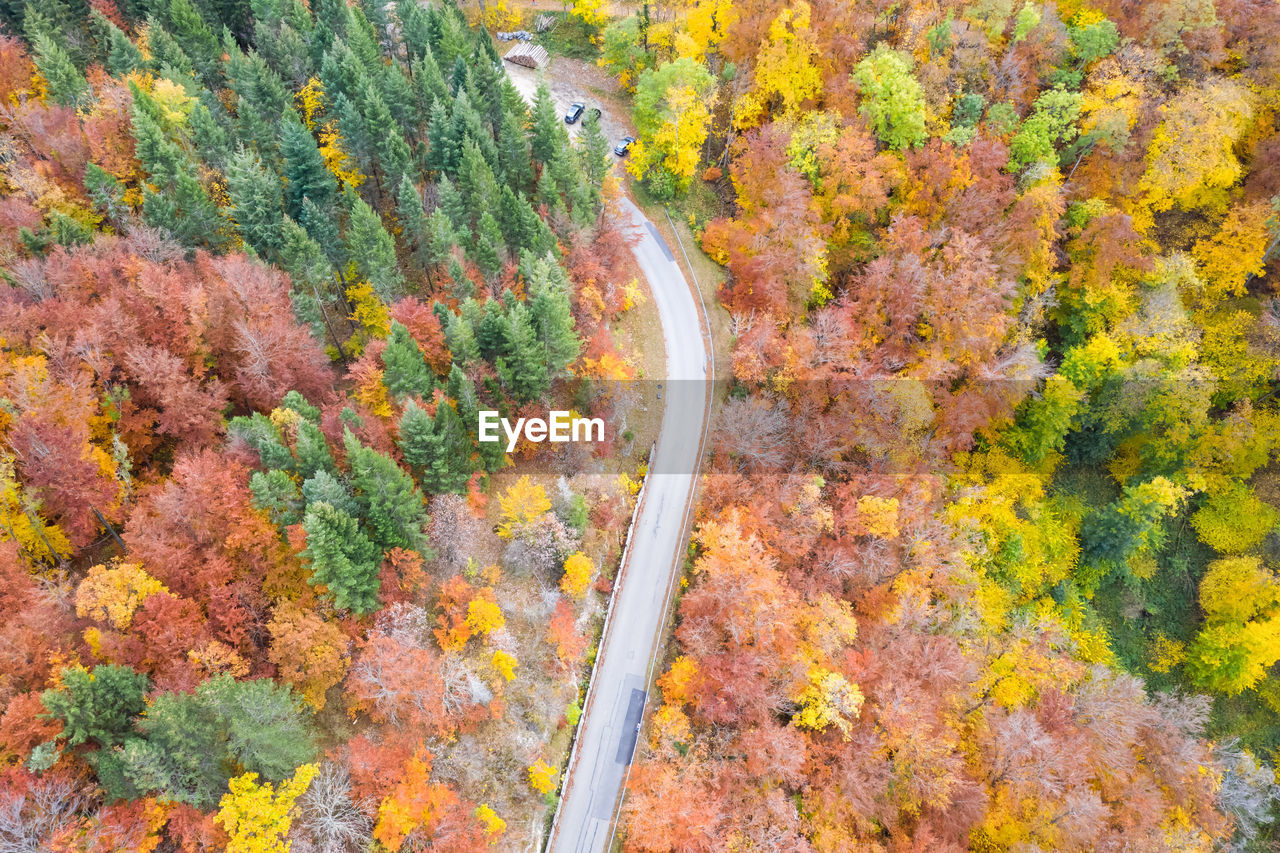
{"x": 462, "y": 340}
{"x": 492, "y": 331}
{"x": 209, "y": 125}
{"x": 107, "y": 195}
{"x": 406, "y": 371}
{"x": 174, "y": 198}
{"x": 468, "y": 126}
{"x": 372, "y": 249}
{"x": 488, "y": 246}
{"x": 355, "y": 134}
{"x": 324, "y": 487}
{"x": 298, "y": 403}
{"x": 455, "y": 208}
{"x": 66, "y": 84}
{"x": 397, "y": 93}
{"x": 413, "y": 222}
{"x": 264, "y": 723}
{"x": 476, "y": 181}
{"x": 440, "y": 238}
{"x": 302, "y": 258}
{"x": 593, "y": 153}
{"x": 552, "y": 314}
{"x": 524, "y": 368}
{"x": 443, "y": 145}
{"x": 458, "y": 78}
{"x": 123, "y": 56}
{"x": 548, "y": 131}
{"x": 167, "y": 56}
{"x": 258, "y": 431}
{"x": 312, "y": 451}
{"x": 463, "y": 391}
{"x": 100, "y": 706}
{"x": 256, "y": 199}
{"x": 461, "y": 285}
{"x": 195, "y": 37}
{"x": 276, "y": 494}
{"x": 513, "y": 152}
{"x": 428, "y": 86}
{"x": 391, "y": 503}
{"x": 394, "y": 157}
{"x": 324, "y": 231}
{"x": 439, "y": 448}
{"x": 415, "y": 31}
{"x": 304, "y": 170}
{"x": 342, "y": 557}
{"x": 181, "y": 754}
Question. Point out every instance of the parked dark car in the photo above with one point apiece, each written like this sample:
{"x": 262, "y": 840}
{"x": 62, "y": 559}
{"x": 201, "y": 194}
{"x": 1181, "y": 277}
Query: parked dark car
{"x": 624, "y": 146}
{"x": 595, "y": 113}
{"x": 575, "y": 113}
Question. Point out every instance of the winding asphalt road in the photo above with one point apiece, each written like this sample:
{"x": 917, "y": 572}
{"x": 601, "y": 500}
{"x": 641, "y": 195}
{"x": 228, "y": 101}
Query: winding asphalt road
{"x": 611, "y": 718}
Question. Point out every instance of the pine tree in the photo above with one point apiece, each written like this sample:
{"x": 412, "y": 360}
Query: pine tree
{"x": 324, "y": 487}
{"x": 462, "y": 340}
{"x": 394, "y": 157}
{"x": 413, "y": 222}
{"x": 304, "y": 170}
{"x": 276, "y": 494}
{"x": 443, "y": 146}
{"x": 167, "y": 56}
{"x": 440, "y": 237}
{"x": 460, "y": 284}
{"x": 100, "y": 706}
{"x": 194, "y": 35}
{"x": 513, "y": 152}
{"x": 355, "y": 134}
{"x": 324, "y": 230}
{"x": 406, "y": 370}
{"x": 593, "y": 153}
{"x": 476, "y": 181}
{"x": 488, "y": 246}
{"x": 428, "y": 86}
{"x": 524, "y": 369}
{"x": 209, "y": 125}
{"x": 173, "y": 199}
{"x": 372, "y": 249}
{"x": 493, "y": 330}
{"x": 312, "y": 451}
{"x": 391, "y": 503}
{"x": 342, "y": 558}
{"x": 123, "y": 56}
{"x": 66, "y": 84}
{"x": 549, "y": 136}
{"x": 256, "y": 198}
{"x": 439, "y": 448}
{"x": 303, "y": 259}
{"x": 455, "y": 208}
{"x": 458, "y": 79}
{"x": 397, "y": 93}
{"x": 553, "y": 314}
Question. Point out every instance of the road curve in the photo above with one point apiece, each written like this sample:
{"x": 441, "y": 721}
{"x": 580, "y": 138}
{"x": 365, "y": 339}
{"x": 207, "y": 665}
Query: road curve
{"x": 611, "y": 718}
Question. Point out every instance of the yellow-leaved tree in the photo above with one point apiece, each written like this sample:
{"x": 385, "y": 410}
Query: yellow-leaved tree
{"x": 1192, "y": 161}
{"x": 785, "y": 73}
{"x": 257, "y": 817}
{"x": 524, "y": 501}
{"x": 578, "y": 570}
{"x": 113, "y": 594}
{"x": 672, "y": 112}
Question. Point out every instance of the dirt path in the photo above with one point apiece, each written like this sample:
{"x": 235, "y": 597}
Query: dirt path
{"x": 572, "y": 80}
